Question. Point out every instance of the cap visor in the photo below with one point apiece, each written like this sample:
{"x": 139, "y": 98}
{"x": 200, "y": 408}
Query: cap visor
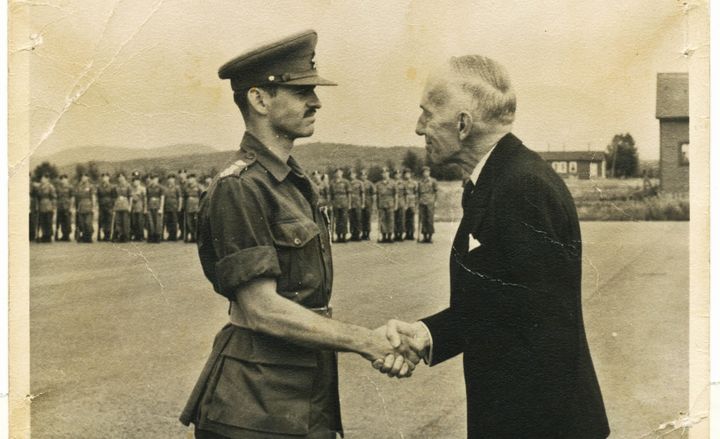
{"x": 312, "y": 80}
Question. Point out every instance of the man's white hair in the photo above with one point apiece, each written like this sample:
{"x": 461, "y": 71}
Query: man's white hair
{"x": 487, "y": 84}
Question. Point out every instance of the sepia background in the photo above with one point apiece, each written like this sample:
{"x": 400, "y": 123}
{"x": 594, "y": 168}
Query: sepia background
{"x": 118, "y": 333}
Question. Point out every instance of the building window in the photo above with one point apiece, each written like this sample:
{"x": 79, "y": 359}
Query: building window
{"x": 684, "y": 153}
{"x": 572, "y": 167}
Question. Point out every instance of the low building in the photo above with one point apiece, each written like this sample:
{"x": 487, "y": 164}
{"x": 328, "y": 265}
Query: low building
{"x": 578, "y": 164}
{"x": 672, "y": 112}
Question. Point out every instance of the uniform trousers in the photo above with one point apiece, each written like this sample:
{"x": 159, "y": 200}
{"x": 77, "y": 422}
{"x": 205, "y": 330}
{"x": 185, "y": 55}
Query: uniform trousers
{"x": 154, "y": 225}
{"x": 191, "y": 226}
{"x": 366, "y": 219}
{"x": 122, "y": 226}
{"x": 182, "y": 223}
{"x": 46, "y": 220}
{"x": 341, "y": 220}
{"x": 33, "y": 225}
{"x": 104, "y": 218}
{"x": 171, "y": 224}
{"x": 85, "y": 226}
{"x": 63, "y": 222}
{"x": 137, "y": 226}
{"x": 400, "y": 221}
{"x": 355, "y": 221}
{"x": 426, "y": 216}
{"x": 386, "y": 218}
{"x": 410, "y": 220}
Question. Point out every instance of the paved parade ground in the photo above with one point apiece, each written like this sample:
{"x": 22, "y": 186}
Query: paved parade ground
{"x": 119, "y": 333}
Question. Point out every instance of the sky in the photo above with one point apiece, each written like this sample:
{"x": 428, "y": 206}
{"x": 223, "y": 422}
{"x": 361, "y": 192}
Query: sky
{"x": 143, "y": 73}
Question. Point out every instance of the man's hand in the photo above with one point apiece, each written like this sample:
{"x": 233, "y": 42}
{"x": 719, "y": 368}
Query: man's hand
{"x": 403, "y": 336}
{"x": 397, "y": 361}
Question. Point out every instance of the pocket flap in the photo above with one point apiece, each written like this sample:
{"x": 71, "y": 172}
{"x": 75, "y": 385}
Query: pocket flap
{"x": 259, "y": 348}
{"x": 294, "y": 233}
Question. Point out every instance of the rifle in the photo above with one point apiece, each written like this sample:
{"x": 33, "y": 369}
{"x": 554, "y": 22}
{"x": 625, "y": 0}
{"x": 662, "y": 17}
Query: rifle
{"x": 185, "y": 231}
{"x": 37, "y": 220}
{"x": 417, "y": 224}
{"x": 77, "y": 224}
{"x": 55, "y": 224}
{"x": 112, "y": 225}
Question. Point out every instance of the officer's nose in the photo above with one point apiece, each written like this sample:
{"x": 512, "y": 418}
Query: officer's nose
{"x": 420, "y": 126}
{"x": 314, "y": 101}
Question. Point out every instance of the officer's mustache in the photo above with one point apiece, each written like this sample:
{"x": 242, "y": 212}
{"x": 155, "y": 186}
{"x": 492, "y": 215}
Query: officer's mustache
{"x": 310, "y": 112}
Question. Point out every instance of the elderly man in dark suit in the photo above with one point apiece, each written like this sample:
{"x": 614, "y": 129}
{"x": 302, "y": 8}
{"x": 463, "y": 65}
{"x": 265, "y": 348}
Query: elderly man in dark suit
{"x": 515, "y": 270}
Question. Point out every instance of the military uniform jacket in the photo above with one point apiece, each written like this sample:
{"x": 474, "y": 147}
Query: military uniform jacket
{"x": 369, "y": 193}
{"x": 172, "y": 198}
{"x": 386, "y": 192}
{"x": 46, "y": 197}
{"x": 340, "y": 193}
{"x": 84, "y": 197}
{"x": 323, "y": 193}
{"x": 192, "y": 197}
{"x": 515, "y": 305}
{"x": 401, "y": 195}
{"x": 138, "y": 198}
{"x": 411, "y": 192}
{"x": 33, "y": 196}
{"x": 260, "y": 218}
{"x": 154, "y": 192}
{"x": 122, "y": 194}
{"x": 64, "y": 193}
{"x": 427, "y": 188}
{"x": 357, "y": 189}
{"x": 105, "y": 196}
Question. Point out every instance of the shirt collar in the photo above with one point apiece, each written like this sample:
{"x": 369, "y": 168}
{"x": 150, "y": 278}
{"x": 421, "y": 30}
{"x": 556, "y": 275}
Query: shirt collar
{"x": 255, "y": 150}
{"x": 481, "y": 164}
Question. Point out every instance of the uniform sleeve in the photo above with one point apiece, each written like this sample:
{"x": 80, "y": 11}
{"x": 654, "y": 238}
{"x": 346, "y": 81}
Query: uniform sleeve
{"x": 242, "y": 239}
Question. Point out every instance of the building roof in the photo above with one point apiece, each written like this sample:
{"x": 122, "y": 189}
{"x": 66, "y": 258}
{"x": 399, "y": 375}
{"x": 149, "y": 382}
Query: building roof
{"x": 587, "y": 156}
{"x": 672, "y": 95}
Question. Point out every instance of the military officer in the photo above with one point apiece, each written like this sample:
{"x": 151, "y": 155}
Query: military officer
{"x": 64, "y": 204}
{"x": 357, "y": 201}
{"x": 85, "y": 208}
{"x": 106, "y": 200}
{"x": 411, "y": 199}
{"x": 182, "y": 182}
{"x": 192, "y": 193}
{"x": 46, "y": 206}
{"x": 264, "y": 245}
{"x": 366, "y": 212}
{"x": 172, "y": 205}
{"x": 340, "y": 196}
{"x": 138, "y": 208}
{"x": 122, "y": 193}
{"x": 427, "y": 196}
{"x": 400, "y": 206}
{"x": 34, "y": 208}
{"x": 155, "y": 201}
{"x": 387, "y": 200}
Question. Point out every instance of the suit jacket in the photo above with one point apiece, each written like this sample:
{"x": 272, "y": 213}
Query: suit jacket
{"x": 515, "y": 305}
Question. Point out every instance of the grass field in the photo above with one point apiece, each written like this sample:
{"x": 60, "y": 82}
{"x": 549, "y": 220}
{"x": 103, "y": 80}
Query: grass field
{"x": 119, "y": 334}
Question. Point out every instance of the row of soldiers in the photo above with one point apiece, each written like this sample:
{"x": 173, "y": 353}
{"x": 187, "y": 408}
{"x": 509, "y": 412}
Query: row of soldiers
{"x": 138, "y": 210}
{"x": 351, "y": 202}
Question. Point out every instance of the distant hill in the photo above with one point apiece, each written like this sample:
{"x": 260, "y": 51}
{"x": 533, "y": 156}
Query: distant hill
{"x": 311, "y": 156}
{"x": 100, "y": 153}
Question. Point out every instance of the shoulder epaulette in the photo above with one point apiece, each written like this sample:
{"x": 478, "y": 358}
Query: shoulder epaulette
{"x": 236, "y": 168}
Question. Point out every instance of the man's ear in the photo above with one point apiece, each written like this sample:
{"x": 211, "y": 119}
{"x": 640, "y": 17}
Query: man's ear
{"x": 258, "y": 100}
{"x": 464, "y": 124}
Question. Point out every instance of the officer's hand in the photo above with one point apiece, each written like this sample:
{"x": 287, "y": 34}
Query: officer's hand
{"x": 400, "y": 361}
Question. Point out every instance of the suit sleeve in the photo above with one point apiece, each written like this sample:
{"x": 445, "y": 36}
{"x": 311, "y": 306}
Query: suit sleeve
{"x": 241, "y": 236}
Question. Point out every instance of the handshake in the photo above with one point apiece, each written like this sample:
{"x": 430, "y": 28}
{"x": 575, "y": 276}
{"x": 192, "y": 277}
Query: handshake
{"x": 398, "y": 347}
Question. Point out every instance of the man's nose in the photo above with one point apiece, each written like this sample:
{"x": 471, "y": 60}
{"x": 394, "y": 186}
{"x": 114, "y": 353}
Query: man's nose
{"x": 314, "y": 101}
{"x": 420, "y": 127}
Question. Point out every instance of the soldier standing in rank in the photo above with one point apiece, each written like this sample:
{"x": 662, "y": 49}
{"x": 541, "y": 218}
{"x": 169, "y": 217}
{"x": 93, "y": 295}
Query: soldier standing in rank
{"x": 206, "y": 182}
{"x": 46, "y": 206}
{"x": 366, "y": 212}
{"x": 34, "y": 208}
{"x": 400, "y": 207}
{"x": 122, "y": 193}
{"x": 106, "y": 201}
{"x": 192, "y": 206}
{"x": 155, "y": 201}
{"x": 387, "y": 201}
{"x": 138, "y": 208}
{"x": 323, "y": 194}
{"x": 411, "y": 199}
{"x": 427, "y": 196}
{"x": 64, "y": 204}
{"x": 182, "y": 182}
{"x": 340, "y": 195}
{"x": 357, "y": 201}
{"x": 172, "y": 205}
{"x": 84, "y": 208}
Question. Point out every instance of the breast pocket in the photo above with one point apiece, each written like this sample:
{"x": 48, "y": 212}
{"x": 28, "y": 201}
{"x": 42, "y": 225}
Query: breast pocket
{"x": 296, "y": 246}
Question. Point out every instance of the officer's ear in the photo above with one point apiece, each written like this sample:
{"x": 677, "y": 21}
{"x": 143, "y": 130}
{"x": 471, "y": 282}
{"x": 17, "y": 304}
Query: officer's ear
{"x": 464, "y": 124}
{"x": 258, "y": 100}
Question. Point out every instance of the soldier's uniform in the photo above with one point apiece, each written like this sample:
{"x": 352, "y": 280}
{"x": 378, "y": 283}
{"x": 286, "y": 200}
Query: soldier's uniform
{"x": 366, "y": 214}
{"x": 106, "y": 201}
{"x": 427, "y": 195}
{"x": 34, "y": 209}
{"x": 192, "y": 193}
{"x": 173, "y": 196}
{"x": 63, "y": 215}
{"x": 400, "y": 209}
{"x": 411, "y": 199}
{"x": 46, "y": 207}
{"x": 154, "y": 201}
{"x": 340, "y": 196}
{"x": 122, "y": 193}
{"x": 357, "y": 201}
{"x": 386, "y": 191}
{"x": 138, "y": 208}
{"x": 84, "y": 204}
{"x": 182, "y": 182}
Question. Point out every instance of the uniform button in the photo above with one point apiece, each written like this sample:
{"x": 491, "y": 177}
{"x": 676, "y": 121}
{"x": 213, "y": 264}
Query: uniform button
{"x": 297, "y": 241}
